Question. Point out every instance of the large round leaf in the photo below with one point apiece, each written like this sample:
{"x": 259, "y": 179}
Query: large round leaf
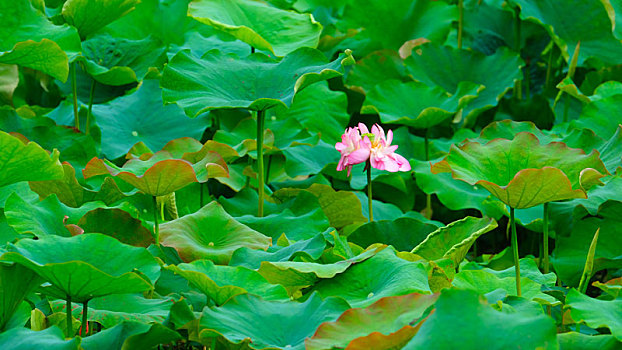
{"x": 497, "y": 72}
{"x": 269, "y": 324}
{"x": 310, "y": 249}
{"x": 383, "y": 275}
{"x": 16, "y": 282}
{"x": 386, "y": 324}
{"x": 221, "y": 283}
{"x": 285, "y": 32}
{"x": 521, "y": 172}
{"x": 564, "y": 21}
{"x": 416, "y": 104}
{"x": 25, "y": 339}
{"x": 131, "y": 335}
{"x": 464, "y": 320}
{"x": 257, "y": 82}
{"x": 88, "y": 16}
{"x": 402, "y": 233}
{"x": 29, "y": 39}
{"x": 26, "y": 162}
{"x": 86, "y": 266}
{"x": 210, "y": 233}
{"x": 596, "y": 313}
{"x": 142, "y": 117}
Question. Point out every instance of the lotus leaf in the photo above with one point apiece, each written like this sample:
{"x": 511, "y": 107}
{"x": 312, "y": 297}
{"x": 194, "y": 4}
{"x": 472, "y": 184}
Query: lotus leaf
{"x": 612, "y": 287}
{"x": 85, "y": 266}
{"x": 402, "y": 233}
{"x": 221, "y": 283}
{"x": 579, "y": 341}
{"x": 462, "y": 317}
{"x": 26, "y": 161}
{"x": 16, "y": 282}
{"x": 416, "y": 104}
{"x": 256, "y": 82}
{"x": 599, "y": 42}
{"x": 496, "y": 72}
{"x": 383, "y": 275}
{"x": 88, "y": 16}
{"x": 210, "y": 233}
{"x": 131, "y": 335}
{"x": 309, "y": 249}
{"x": 126, "y": 229}
{"x": 69, "y": 191}
{"x": 25, "y": 339}
{"x": 245, "y": 20}
{"x": 596, "y": 313}
{"x": 386, "y": 324}
{"x": 523, "y": 173}
{"x": 375, "y": 68}
{"x": 140, "y": 116}
{"x": 112, "y": 309}
{"x": 260, "y": 324}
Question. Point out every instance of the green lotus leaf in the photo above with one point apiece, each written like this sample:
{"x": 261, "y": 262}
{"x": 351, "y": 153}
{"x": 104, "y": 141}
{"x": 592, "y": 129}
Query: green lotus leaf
{"x": 484, "y": 282}
{"x": 29, "y": 39}
{"x": 69, "y": 191}
{"x": 528, "y": 269}
{"x": 521, "y": 172}
{"x": 297, "y": 226}
{"x": 596, "y": 313}
{"x": 126, "y": 229}
{"x": 599, "y": 42}
{"x": 416, "y": 104}
{"x": 496, "y": 72}
{"x": 47, "y": 217}
{"x": 113, "y": 309}
{"x": 131, "y": 335}
{"x": 89, "y": 16}
{"x": 25, "y": 339}
{"x": 479, "y": 324}
{"x": 26, "y": 161}
{"x": 116, "y": 60}
{"x": 210, "y": 233}
{"x": 454, "y": 240}
{"x": 580, "y": 341}
{"x": 386, "y": 324}
{"x": 246, "y": 20}
{"x": 382, "y": 275}
{"x": 375, "y": 68}
{"x": 9, "y": 79}
{"x": 305, "y": 159}
{"x": 261, "y": 324}
{"x": 601, "y": 116}
{"x": 609, "y": 151}
{"x": 294, "y": 275}
{"x": 394, "y": 23}
{"x": 141, "y": 116}
{"x": 193, "y": 151}
{"x": 160, "y": 174}
{"x": 613, "y": 287}
{"x": 309, "y": 249}
{"x": 221, "y": 283}
{"x": 571, "y": 252}
{"x": 16, "y": 282}
{"x": 86, "y": 266}
{"x": 255, "y": 82}
{"x": 402, "y": 233}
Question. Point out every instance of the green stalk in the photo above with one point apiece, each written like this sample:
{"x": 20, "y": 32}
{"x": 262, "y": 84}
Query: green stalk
{"x": 589, "y": 264}
{"x": 155, "y": 219}
{"x": 427, "y": 212}
{"x": 460, "y": 21}
{"x": 69, "y": 325}
{"x": 84, "y": 326}
{"x": 545, "y": 241}
{"x": 88, "y": 115}
{"x": 74, "y": 89}
{"x": 547, "y": 83}
{"x": 260, "y": 170}
{"x": 515, "y": 251}
{"x": 369, "y": 193}
{"x": 201, "y": 194}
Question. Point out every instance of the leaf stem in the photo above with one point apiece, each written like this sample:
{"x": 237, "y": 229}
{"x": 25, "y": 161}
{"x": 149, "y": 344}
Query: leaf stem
{"x": 69, "y": 325}
{"x": 89, "y": 113}
{"x": 155, "y": 219}
{"x": 460, "y": 21}
{"x": 545, "y": 239}
{"x": 514, "y": 243}
{"x": 84, "y": 328}
{"x": 427, "y": 211}
{"x": 260, "y": 170}
{"x": 549, "y": 69}
{"x": 74, "y": 89}
{"x": 369, "y": 193}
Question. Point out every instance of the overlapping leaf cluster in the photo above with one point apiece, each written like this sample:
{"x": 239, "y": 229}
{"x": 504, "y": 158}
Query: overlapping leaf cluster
{"x": 168, "y": 174}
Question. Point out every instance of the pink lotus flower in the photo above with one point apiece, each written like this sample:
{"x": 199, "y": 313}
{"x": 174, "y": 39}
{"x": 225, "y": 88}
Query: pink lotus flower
{"x": 382, "y": 153}
{"x": 358, "y": 145}
{"x": 353, "y": 149}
